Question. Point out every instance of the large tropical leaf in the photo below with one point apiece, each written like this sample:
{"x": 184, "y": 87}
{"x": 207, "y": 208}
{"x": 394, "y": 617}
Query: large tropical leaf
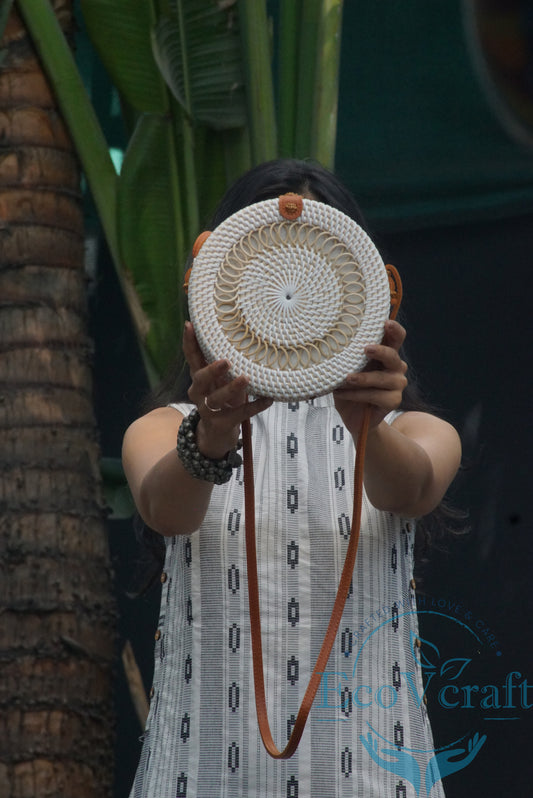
{"x": 150, "y": 232}
{"x": 120, "y": 32}
{"x": 198, "y": 52}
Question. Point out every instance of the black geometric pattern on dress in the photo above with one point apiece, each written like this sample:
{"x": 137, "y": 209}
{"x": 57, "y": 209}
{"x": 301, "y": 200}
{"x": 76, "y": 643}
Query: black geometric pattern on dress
{"x": 293, "y": 406}
{"x": 346, "y": 642}
{"x": 233, "y": 696}
{"x": 181, "y": 787}
{"x": 293, "y": 670}
{"x": 293, "y": 612}
{"x": 290, "y": 725}
{"x": 234, "y": 638}
{"x": 233, "y": 757}
{"x": 292, "y": 554}
{"x": 346, "y": 702}
{"x": 401, "y": 790}
{"x": 234, "y": 581}
{"x": 340, "y": 478}
{"x": 292, "y": 499}
{"x": 185, "y": 731}
{"x": 234, "y": 521}
{"x": 188, "y": 551}
{"x": 344, "y": 525}
{"x": 292, "y": 445}
{"x": 239, "y": 475}
{"x": 399, "y": 741}
{"x": 292, "y": 787}
{"x": 405, "y": 532}
{"x": 338, "y": 434}
{"x": 395, "y": 620}
{"x": 346, "y": 762}
{"x": 187, "y": 671}
{"x": 396, "y": 676}
{"x": 394, "y": 558}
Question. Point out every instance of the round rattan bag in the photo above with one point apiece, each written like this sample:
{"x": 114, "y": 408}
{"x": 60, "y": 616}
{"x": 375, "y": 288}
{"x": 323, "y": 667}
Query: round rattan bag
{"x": 290, "y": 291}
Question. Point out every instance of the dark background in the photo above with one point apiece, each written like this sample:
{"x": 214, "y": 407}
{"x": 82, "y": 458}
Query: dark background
{"x": 449, "y": 196}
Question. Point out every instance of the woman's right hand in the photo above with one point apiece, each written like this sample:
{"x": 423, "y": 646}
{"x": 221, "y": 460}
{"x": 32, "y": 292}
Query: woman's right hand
{"x": 222, "y": 402}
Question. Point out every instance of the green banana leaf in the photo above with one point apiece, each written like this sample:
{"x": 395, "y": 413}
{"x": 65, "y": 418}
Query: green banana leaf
{"x": 198, "y": 53}
{"x": 120, "y": 31}
{"x": 150, "y": 232}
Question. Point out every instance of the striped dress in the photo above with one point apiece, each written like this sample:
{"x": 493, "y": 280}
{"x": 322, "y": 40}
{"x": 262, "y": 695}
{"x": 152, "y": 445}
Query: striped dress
{"x": 368, "y": 733}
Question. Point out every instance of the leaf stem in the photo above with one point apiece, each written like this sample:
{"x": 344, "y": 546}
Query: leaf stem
{"x": 326, "y": 89}
{"x": 253, "y": 24}
{"x": 287, "y": 78}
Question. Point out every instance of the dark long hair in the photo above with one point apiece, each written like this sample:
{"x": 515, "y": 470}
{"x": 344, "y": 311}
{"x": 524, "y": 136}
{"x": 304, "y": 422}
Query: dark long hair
{"x": 268, "y": 181}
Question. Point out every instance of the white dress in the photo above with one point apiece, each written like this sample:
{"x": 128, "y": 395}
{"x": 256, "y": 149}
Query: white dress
{"x": 368, "y": 732}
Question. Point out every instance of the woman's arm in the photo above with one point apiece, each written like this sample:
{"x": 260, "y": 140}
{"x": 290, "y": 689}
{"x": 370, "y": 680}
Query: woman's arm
{"x": 410, "y": 464}
{"x": 168, "y": 498}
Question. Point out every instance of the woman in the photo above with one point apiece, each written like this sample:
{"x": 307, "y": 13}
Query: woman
{"x": 368, "y": 733}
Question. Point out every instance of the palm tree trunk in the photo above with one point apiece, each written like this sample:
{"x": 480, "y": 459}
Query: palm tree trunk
{"x": 57, "y": 612}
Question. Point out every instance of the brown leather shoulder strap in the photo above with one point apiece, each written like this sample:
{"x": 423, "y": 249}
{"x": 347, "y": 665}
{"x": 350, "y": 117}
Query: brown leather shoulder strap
{"x": 253, "y": 596}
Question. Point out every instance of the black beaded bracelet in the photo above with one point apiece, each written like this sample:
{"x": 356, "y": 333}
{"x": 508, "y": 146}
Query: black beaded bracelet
{"x": 195, "y": 463}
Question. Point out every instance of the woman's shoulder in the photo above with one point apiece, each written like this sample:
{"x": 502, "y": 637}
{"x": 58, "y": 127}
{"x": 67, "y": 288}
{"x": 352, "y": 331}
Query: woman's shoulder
{"x": 158, "y": 421}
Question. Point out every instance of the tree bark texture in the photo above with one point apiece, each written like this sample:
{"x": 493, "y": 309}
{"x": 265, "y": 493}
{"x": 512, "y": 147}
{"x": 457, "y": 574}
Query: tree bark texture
{"x": 57, "y": 614}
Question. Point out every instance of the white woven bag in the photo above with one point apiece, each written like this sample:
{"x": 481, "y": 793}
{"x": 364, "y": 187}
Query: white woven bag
{"x": 290, "y": 302}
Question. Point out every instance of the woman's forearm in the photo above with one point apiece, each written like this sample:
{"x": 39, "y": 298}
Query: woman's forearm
{"x": 410, "y": 464}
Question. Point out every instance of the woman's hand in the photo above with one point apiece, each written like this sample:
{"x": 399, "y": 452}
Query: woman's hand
{"x": 410, "y": 463}
{"x": 222, "y": 402}
{"x": 380, "y": 384}
{"x": 169, "y": 499}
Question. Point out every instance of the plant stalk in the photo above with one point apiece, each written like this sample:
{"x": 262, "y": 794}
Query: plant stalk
{"x": 254, "y": 31}
{"x": 287, "y": 78}
{"x": 326, "y": 90}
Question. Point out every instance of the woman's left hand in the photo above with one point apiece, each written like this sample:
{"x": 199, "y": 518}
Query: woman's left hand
{"x": 380, "y": 384}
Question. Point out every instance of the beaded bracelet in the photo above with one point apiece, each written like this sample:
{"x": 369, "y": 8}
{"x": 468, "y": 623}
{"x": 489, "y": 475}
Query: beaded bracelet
{"x": 195, "y": 463}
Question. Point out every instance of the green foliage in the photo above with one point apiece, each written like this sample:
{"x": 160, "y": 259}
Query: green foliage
{"x": 210, "y": 87}
{"x": 120, "y": 33}
{"x": 180, "y": 73}
{"x": 201, "y": 64}
{"x": 117, "y": 495}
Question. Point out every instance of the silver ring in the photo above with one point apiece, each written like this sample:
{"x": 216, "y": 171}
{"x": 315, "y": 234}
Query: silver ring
{"x": 211, "y": 409}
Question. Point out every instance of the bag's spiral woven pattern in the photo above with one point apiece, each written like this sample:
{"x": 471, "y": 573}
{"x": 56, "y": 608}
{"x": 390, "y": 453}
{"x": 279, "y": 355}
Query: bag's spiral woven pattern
{"x": 291, "y": 304}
